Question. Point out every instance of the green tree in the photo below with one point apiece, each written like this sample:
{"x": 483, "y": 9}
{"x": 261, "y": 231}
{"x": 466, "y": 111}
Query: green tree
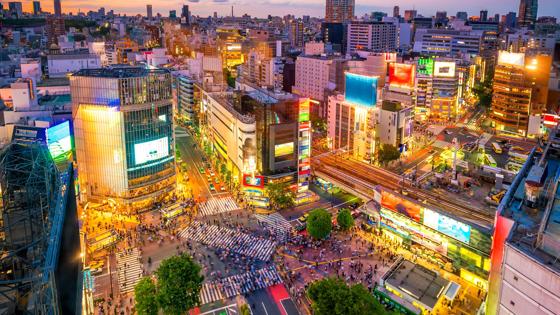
{"x": 280, "y": 195}
{"x": 319, "y": 223}
{"x": 145, "y": 297}
{"x": 230, "y": 80}
{"x": 244, "y": 309}
{"x": 388, "y": 153}
{"x": 178, "y": 284}
{"x": 332, "y": 296}
{"x": 345, "y": 219}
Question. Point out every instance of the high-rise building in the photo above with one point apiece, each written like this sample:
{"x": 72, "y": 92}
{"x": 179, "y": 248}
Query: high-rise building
{"x": 339, "y": 10}
{"x": 185, "y": 98}
{"x": 396, "y": 12}
{"x": 372, "y": 36}
{"x": 525, "y": 270}
{"x": 172, "y": 14}
{"x": 185, "y": 15}
{"x": 483, "y": 16}
{"x": 520, "y": 90}
{"x": 527, "y": 12}
{"x": 409, "y": 15}
{"x": 57, "y": 8}
{"x": 16, "y": 9}
{"x": 334, "y": 33}
{"x": 441, "y": 17}
{"x": 36, "y": 7}
{"x": 149, "y": 11}
{"x": 511, "y": 20}
{"x": 54, "y": 28}
{"x": 296, "y": 33}
{"x": 462, "y": 15}
{"x": 123, "y": 125}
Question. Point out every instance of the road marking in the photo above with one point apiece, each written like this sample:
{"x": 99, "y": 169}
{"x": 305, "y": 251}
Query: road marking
{"x": 264, "y": 307}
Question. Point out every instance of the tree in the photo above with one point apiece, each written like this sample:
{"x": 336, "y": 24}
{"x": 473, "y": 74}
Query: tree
{"x": 388, "y": 153}
{"x": 319, "y": 223}
{"x": 244, "y": 309}
{"x": 345, "y": 219}
{"x": 280, "y": 195}
{"x": 145, "y": 297}
{"x": 331, "y": 296}
{"x": 178, "y": 284}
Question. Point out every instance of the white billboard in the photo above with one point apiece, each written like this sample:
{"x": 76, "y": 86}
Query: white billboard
{"x": 512, "y": 59}
{"x": 444, "y": 69}
{"x": 151, "y": 150}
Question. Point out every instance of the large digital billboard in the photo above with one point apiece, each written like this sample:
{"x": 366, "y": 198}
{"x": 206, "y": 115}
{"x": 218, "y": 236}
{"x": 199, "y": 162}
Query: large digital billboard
{"x": 444, "y": 69}
{"x": 59, "y": 140}
{"x": 253, "y": 181}
{"x": 512, "y": 59}
{"x": 401, "y": 74}
{"x": 425, "y": 66}
{"x": 283, "y": 149}
{"x": 151, "y": 150}
{"x": 447, "y": 226}
{"x": 399, "y": 205}
{"x": 360, "y": 89}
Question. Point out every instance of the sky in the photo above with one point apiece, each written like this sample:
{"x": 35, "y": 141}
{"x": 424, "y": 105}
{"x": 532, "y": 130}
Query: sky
{"x": 261, "y": 8}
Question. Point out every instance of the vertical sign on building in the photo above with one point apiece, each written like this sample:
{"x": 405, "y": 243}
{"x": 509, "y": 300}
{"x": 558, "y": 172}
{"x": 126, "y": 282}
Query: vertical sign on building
{"x": 304, "y": 146}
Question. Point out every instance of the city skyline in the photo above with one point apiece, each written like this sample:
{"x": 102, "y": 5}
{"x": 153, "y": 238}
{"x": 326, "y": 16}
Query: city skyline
{"x": 282, "y": 7}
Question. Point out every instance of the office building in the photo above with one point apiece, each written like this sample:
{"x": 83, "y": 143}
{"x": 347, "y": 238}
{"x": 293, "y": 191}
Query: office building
{"x": 409, "y": 15}
{"x": 36, "y": 7}
{"x": 441, "y": 17}
{"x": 461, "y": 15}
{"x": 396, "y": 12}
{"x": 510, "y": 20}
{"x": 61, "y": 65}
{"x": 16, "y": 9}
{"x": 149, "y": 11}
{"x": 185, "y": 98}
{"x": 527, "y": 12}
{"x": 395, "y": 124}
{"x": 483, "y": 17}
{"x": 520, "y": 90}
{"x": 296, "y": 34}
{"x": 334, "y": 34}
{"x": 446, "y": 42}
{"x": 125, "y": 145}
{"x": 57, "y": 8}
{"x": 372, "y": 36}
{"x": 525, "y": 270}
{"x": 339, "y": 11}
{"x": 54, "y": 29}
{"x": 313, "y": 74}
{"x": 172, "y": 14}
{"x": 185, "y": 15}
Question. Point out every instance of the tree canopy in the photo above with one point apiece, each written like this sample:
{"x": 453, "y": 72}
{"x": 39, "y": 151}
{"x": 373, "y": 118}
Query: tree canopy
{"x": 388, "y": 153}
{"x": 280, "y": 195}
{"x": 145, "y": 297}
{"x": 319, "y": 223}
{"x": 345, "y": 219}
{"x": 331, "y": 296}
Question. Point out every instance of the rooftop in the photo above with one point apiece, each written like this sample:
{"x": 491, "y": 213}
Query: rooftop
{"x": 119, "y": 71}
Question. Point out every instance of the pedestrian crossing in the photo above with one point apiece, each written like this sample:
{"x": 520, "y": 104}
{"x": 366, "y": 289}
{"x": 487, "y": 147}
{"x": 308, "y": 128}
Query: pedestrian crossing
{"x": 239, "y": 284}
{"x": 217, "y": 205}
{"x": 277, "y": 224}
{"x": 230, "y": 239}
{"x": 129, "y": 270}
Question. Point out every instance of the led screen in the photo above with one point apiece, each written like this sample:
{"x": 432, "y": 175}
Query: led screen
{"x": 253, "y": 181}
{"x": 447, "y": 226}
{"x": 425, "y": 66}
{"x": 151, "y": 150}
{"x": 361, "y": 89}
{"x": 512, "y": 59}
{"x": 399, "y": 205}
{"x": 444, "y": 69}
{"x": 401, "y": 74}
{"x": 283, "y": 149}
{"x": 59, "y": 141}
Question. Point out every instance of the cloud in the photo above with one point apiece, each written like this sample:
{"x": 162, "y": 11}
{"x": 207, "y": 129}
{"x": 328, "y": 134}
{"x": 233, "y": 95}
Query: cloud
{"x": 220, "y": 1}
{"x": 195, "y": 1}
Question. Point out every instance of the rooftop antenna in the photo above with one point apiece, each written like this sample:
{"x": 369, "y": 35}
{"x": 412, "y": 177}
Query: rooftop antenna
{"x": 231, "y": 11}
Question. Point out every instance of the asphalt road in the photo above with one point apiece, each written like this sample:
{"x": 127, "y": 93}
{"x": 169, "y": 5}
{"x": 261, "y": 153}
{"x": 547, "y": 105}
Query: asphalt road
{"x": 262, "y": 303}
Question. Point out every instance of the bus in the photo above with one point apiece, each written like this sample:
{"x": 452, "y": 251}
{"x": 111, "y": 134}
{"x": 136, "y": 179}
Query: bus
{"x": 172, "y": 211}
{"x": 497, "y": 148}
{"x": 101, "y": 241}
{"x": 489, "y": 160}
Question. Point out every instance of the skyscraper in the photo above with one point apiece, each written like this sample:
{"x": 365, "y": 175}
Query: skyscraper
{"x": 185, "y": 15}
{"x": 149, "y": 11}
{"x": 396, "y": 12}
{"x": 483, "y": 15}
{"x": 296, "y": 33}
{"x": 511, "y": 20}
{"x": 339, "y": 10}
{"x": 462, "y": 15}
{"x": 527, "y": 12}
{"x": 57, "y": 8}
{"x": 123, "y": 131}
{"x": 36, "y": 7}
{"x": 409, "y": 15}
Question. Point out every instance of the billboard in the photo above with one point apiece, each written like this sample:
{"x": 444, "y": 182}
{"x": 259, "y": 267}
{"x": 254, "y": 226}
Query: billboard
{"x": 59, "y": 140}
{"x": 360, "y": 89}
{"x": 511, "y": 59}
{"x": 399, "y": 205}
{"x": 444, "y": 69}
{"x": 401, "y": 74}
{"x": 253, "y": 181}
{"x": 151, "y": 150}
{"x": 29, "y": 133}
{"x": 447, "y": 226}
{"x": 425, "y": 66}
{"x": 283, "y": 149}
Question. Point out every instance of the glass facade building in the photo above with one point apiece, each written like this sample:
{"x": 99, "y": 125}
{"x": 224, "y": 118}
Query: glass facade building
{"x": 125, "y": 146}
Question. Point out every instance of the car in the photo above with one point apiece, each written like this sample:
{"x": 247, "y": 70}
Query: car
{"x": 212, "y": 187}
{"x": 303, "y": 218}
{"x": 201, "y": 170}
{"x": 222, "y": 188}
{"x": 212, "y": 173}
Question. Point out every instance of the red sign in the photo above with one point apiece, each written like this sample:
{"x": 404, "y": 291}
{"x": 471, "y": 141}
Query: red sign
{"x": 399, "y": 205}
{"x": 550, "y": 120}
{"x": 253, "y": 181}
{"x": 401, "y": 74}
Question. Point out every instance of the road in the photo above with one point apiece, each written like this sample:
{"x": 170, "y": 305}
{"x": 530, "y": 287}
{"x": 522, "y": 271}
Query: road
{"x": 365, "y": 177}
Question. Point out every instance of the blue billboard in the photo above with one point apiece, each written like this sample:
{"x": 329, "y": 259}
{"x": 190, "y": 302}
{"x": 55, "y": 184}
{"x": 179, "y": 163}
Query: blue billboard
{"x": 450, "y": 227}
{"x": 59, "y": 141}
{"x": 360, "y": 89}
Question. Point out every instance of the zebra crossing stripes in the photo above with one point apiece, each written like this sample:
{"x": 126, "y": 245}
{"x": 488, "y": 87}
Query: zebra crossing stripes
{"x": 129, "y": 270}
{"x": 277, "y": 224}
{"x": 229, "y": 239}
{"x": 232, "y": 286}
{"x": 217, "y": 205}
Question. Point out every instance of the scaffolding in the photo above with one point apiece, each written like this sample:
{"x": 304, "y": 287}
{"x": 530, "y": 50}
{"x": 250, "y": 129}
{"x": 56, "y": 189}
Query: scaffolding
{"x": 34, "y": 194}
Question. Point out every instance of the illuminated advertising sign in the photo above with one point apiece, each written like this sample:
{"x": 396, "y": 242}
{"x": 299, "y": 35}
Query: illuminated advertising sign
{"x": 59, "y": 141}
{"x": 304, "y": 149}
{"x": 283, "y": 149}
{"x": 425, "y": 66}
{"x": 390, "y": 57}
{"x": 399, "y": 205}
{"x": 550, "y": 120}
{"x": 253, "y": 181}
{"x": 444, "y": 69}
{"x": 511, "y": 59}
{"x": 447, "y": 226}
{"x": 151, "y": 150}
{"x": 29, "y": 133}
{"x": 401, "y": 74}
{"x": 361, "y": 89}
